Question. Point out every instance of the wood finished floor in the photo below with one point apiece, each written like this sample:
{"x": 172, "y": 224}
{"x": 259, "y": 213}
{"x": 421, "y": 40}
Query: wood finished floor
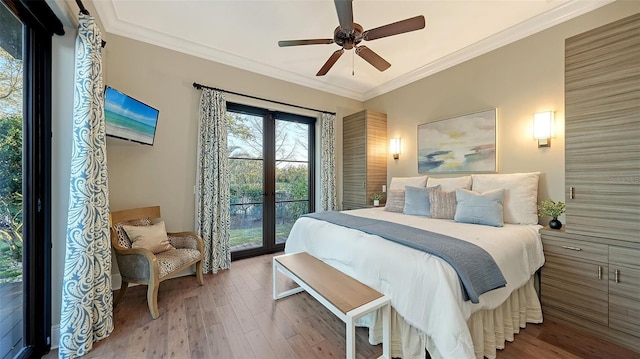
{"x": 234, "y": 316}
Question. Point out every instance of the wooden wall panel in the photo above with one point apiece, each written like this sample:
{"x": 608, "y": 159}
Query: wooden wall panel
{"x": 354, "y": 159}
{"x": 364, "y": 157}
{"x": 602, "y": 124}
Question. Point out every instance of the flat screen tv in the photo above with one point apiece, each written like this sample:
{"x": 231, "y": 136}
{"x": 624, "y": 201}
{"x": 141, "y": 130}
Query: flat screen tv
{"x": 129, "y": 119}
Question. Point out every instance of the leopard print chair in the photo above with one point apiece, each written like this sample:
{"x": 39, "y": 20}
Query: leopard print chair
{"x": 139, "y": 265}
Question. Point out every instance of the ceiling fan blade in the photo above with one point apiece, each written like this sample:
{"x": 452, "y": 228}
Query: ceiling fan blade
{"x": 285, "y": 43}
{"x": 345, "y": 14}
{"x": 332, "y": 60}
{"x": 371, "y": 57}
{"x": 400, "y": 27}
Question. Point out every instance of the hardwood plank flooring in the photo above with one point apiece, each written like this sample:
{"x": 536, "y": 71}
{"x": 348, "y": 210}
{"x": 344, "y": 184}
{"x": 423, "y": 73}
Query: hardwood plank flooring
{"x": 234, "y": 316}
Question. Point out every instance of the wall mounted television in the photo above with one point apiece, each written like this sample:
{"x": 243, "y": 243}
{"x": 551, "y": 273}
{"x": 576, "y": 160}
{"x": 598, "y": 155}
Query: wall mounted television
{"x": 129, "y": 119}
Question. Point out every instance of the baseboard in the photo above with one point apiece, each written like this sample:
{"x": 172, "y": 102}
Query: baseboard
{"x": 55, "y": 336}
{"x": 116, "y": 281}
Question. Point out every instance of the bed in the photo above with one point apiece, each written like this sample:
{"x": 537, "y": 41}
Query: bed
{"x": 426, "y": 295}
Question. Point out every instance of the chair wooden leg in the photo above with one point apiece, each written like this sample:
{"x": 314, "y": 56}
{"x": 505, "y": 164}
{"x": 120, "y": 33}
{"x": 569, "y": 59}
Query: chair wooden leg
{"x": 121, "y": 292}
{"x": 199, "y": 273}
{"x": 152, "y": 300}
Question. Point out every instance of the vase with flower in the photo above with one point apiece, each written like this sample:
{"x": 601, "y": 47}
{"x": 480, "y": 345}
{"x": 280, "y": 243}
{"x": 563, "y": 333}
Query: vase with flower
{"x": 553, "y": 209}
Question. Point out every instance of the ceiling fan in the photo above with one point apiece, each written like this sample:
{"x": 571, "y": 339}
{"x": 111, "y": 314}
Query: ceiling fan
{"x": 349, "y": 35}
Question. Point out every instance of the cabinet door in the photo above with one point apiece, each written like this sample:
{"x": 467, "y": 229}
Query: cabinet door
{"x": 575, "y": 287}
{"x": 602, "y": 127}
{"x": 624, "y": 289}
{"x": 354, "y": 161}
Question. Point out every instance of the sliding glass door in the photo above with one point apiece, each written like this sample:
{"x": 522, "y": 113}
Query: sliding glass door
{"x": 11, "y": 239}
{"x": 271, "y": 177}
{"x": 26, "y": 30}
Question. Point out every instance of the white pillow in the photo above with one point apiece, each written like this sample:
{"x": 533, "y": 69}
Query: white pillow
{"x": 399, "y": 183}
{"x": 520, "y": 194}
{"x": 450, "y": 184}
{"x": 153, "y": 237}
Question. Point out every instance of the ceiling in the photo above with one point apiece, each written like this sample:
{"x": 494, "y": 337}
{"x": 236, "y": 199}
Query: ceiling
{"x": 245, "y": 34}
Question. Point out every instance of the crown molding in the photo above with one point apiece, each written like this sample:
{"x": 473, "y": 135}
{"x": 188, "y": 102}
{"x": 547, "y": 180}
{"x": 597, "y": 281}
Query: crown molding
{"x": 517, "y": 32}
{"x": 113, "y": 24}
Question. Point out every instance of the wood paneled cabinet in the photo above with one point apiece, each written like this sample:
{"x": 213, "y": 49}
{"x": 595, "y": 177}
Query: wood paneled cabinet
{"x": 592, "y": 283}
{"x": 364, "y": 154}
{"x": 602, "y": 131}
{"x": 591, "y": 277}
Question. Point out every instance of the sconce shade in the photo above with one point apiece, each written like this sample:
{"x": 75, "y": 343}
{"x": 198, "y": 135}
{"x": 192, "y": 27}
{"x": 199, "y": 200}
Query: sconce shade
{"x": 543, "y": 128}
{"x": 394, "y": 147}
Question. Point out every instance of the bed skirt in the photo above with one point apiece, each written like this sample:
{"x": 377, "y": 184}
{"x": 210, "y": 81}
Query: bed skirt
{"x": 489, "y": 329}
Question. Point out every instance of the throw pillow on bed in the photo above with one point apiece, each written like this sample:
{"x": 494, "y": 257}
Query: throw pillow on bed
{"x": 480, "y": 208}
{"x": 520, "y": 194}
{"x": 443, "y": 203}
{"x": 416, "y": 201}
{"x": 450, "y": 184}
{"x": 399, "y": 183}
{"x": 395, "y": 201}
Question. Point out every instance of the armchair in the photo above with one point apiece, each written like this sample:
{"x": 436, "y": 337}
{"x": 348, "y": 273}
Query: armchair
{"x": 140, "y": 265}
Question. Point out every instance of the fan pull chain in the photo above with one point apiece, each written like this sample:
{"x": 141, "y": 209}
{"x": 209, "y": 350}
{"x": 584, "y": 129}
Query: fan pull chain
{"x": 353, "y": 63}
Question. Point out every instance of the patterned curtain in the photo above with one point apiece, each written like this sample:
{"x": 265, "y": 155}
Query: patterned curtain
{"x": 328, "y": 200}
{"x": 87, "y": 302}
{"x": 212, "y": 186}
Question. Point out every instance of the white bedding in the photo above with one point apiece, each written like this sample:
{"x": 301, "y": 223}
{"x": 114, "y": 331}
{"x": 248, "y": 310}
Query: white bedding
{"x": 424, "y": 289}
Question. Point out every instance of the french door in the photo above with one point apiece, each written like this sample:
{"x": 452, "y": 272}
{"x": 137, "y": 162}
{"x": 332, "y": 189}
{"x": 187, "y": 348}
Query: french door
{"x": 271, "y": 166}
{"x": 26, "y": 29}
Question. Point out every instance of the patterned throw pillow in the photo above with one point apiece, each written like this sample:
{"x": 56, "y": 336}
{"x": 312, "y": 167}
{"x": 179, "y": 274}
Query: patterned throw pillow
{"x": 443, "y": 204}
{"x": 123, "y": 239}
{"x": 395, "y": 201}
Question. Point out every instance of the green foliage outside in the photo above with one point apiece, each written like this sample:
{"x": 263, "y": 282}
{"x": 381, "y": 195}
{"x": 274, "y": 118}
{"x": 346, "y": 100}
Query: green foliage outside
{"x": 10, "y": 198}
{"x": 10, "y": 166}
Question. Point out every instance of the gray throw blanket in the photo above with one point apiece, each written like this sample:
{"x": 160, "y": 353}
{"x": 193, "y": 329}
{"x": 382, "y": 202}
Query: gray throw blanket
{"x": 477, "y": 270}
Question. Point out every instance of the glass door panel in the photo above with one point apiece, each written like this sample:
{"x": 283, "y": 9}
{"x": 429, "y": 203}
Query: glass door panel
{"x": 246, "y": 180}
{"x": 11, "y": 123}
{"x": 271, "y": 177}
{"x": 292, "y": 175}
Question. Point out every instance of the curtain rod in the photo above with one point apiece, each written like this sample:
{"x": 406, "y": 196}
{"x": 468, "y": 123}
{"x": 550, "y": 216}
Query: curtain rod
{"x": 199, "y": 87}
{"x": 84, "y": 11}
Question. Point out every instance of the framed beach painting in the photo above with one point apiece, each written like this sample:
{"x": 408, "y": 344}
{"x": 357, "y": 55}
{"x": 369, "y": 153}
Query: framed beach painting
{"x": 460, "y": 144}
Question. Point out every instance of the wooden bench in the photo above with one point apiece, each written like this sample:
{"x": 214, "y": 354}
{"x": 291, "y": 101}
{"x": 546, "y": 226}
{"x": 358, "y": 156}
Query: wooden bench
{"x": 347, "y": 298}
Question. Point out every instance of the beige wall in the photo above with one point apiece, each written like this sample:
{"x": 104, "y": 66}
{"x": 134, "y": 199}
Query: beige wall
{"x": 164, "y": 174}
{"x": 519, "y": 80}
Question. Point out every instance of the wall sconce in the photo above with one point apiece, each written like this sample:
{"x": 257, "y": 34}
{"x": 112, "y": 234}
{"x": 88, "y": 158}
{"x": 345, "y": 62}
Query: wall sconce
{"x": 543, "y": 128}
{"x": 394, "y": 147}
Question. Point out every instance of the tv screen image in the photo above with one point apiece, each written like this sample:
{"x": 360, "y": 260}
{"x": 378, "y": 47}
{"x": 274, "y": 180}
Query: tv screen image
{"x": 128, "y": 118}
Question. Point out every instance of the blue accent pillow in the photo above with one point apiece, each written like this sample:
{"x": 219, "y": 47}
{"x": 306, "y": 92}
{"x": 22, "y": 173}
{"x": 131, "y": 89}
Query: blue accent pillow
{"x": 416, "y": 201}
{"x": 480, "y": 208}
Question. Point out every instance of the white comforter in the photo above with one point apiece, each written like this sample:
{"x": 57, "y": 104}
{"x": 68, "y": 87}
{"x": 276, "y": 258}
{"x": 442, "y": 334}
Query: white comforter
{"x": 424, "y": 289}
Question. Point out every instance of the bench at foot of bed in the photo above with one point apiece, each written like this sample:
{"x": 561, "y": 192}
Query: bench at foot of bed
{"x": 347, "y": 298}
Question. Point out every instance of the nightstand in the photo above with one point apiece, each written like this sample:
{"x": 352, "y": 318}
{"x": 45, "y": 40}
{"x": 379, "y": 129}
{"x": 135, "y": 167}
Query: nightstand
{"x": 592, "y": 283}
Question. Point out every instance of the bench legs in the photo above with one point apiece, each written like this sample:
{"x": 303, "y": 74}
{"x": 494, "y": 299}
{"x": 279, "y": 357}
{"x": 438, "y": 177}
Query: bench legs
{"x": 286, "y": 293}
{"x": 386, "y": 334}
